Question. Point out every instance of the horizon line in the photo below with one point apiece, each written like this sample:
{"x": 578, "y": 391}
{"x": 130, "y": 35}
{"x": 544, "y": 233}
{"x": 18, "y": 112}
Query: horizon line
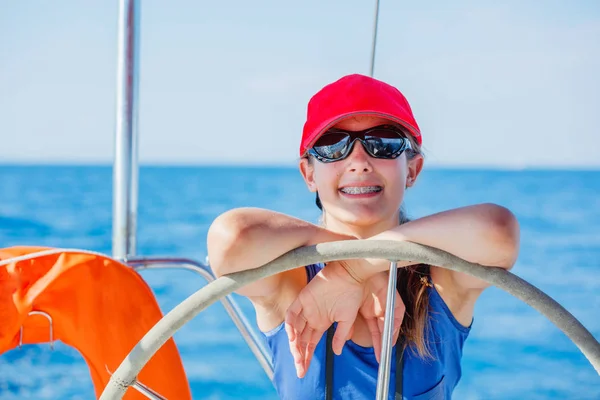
{"x": 162, "y": 164}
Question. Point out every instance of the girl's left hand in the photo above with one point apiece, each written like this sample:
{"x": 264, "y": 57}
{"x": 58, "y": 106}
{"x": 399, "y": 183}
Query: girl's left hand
{"x": 373, "y": 310}
{"x": 333, "y": 295}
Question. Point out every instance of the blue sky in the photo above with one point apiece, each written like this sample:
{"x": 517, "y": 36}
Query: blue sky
{"x": 498, "y": 85}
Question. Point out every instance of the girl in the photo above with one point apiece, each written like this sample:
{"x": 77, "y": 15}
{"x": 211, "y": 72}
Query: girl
{"x": 360, "y": 150}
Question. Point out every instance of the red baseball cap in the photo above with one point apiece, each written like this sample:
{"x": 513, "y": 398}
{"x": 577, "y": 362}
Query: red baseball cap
{"x": 355, "y": 95}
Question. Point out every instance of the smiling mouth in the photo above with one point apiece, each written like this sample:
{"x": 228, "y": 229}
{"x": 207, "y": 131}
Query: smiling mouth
{"x": 361, "y": 189}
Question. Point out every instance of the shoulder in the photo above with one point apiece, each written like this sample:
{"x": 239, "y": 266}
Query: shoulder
{"x": 459, "y": 300}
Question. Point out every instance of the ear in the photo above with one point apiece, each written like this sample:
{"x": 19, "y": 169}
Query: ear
{"x": 415, "y": 165}
{"x": 307, "y": 170}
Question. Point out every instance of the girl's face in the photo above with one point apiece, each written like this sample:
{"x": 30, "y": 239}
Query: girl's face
{"x": 360, "y": 194}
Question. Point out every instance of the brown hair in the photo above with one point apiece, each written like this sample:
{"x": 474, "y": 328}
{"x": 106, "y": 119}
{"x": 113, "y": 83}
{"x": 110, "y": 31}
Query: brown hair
{"x": 412, "y": 287}
{"x": 412, "y": 283}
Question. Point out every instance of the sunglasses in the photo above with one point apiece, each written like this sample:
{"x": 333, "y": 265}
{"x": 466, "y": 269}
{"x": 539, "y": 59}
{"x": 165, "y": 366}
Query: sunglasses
{"x": 384, "y": 141}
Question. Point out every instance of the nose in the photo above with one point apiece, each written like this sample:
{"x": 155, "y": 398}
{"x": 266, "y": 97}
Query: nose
{"x": 358, "y": 160}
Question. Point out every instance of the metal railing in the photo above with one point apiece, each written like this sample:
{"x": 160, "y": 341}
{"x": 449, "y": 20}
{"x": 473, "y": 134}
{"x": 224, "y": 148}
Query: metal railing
{"x": 125, "y": 167}
{"x": 249, "y": 334}
{"x": 50, "y": 322}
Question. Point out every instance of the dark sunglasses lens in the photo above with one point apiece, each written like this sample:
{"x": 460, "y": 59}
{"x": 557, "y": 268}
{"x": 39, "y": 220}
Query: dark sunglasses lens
{"x": 332, "y": 145}
{"x": 384, "y": 143}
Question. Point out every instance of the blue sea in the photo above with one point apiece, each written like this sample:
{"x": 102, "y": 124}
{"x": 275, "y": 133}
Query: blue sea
{"x": 512, "y": 352}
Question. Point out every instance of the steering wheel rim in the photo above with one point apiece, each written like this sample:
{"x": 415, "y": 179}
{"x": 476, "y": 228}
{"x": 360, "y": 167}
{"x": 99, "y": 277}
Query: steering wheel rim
{"x": 125, "y": 375}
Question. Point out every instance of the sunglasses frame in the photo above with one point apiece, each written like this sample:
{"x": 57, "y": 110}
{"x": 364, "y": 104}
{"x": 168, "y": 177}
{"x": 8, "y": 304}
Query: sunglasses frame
{"x": 360, "y": 135}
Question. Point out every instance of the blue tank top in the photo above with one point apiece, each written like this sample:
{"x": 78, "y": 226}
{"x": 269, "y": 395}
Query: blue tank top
{"x": 355, "y": 370}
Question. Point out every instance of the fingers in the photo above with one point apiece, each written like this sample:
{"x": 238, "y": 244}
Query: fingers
{"x": 342, "y": 333}
{"x": 376, "y": 325}
{"x": 305, "y": 343}
{"x": 375, "y": 336}
{"x": 311, "y": 345}
{"x": 303, "y": 338}
{"x": 295, "y": 325}
{"x": 381, "y": 322}
{"x": 399, "y": 311}
{"x": 294, "y": 321}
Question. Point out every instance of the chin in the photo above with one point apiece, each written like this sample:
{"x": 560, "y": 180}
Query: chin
{"x": 362, "y": 217}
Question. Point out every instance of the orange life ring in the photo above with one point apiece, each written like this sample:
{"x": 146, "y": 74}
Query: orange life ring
{"x": 98, "y": 305}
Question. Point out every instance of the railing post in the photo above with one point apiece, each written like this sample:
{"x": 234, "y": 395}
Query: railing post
{"x": 374, "y": 45}
{"x": 125, "y": 167}
{"x": 385, "y": 365}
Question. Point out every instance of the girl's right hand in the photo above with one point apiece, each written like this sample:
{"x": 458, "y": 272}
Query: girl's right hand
{"x": 333, "y": 295}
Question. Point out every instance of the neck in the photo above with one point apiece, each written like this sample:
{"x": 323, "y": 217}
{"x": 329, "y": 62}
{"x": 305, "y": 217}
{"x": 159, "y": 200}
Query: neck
{"x": 358, "y": 230}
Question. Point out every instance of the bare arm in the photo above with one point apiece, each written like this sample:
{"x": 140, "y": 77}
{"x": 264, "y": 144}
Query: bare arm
{"x": 486, "y": 234}
{"x": 246, "y": 238}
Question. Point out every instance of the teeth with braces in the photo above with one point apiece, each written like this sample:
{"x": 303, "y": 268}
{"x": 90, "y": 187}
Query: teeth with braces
{"x": 361, "y": 189}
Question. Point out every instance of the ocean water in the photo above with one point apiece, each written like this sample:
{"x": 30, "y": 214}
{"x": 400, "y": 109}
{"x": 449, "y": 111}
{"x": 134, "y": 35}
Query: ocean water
{"x": 512, "y": 352}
